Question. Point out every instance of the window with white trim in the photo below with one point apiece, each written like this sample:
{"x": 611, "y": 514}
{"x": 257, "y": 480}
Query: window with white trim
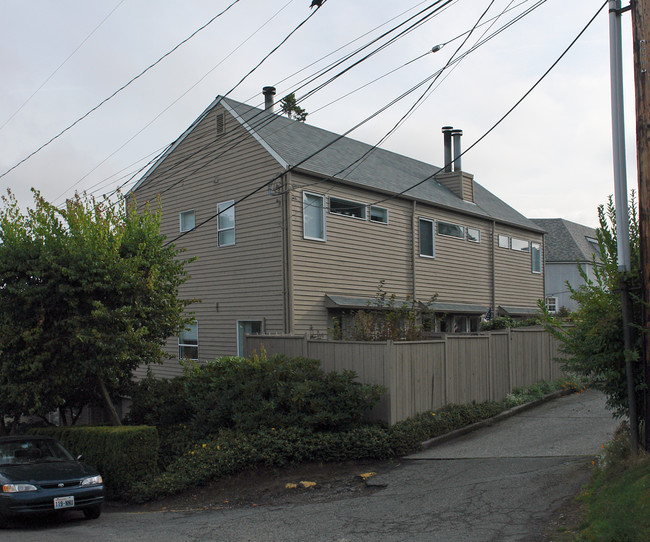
{"x": 551, "y": 304}
{"x": 473, "y": 235}
{"x": 188, "y": 342}
{"x": 519, "y": 244}
{"x": 226, "y": 223}
{"x": 536, "y": 257}
{"x": 187, "y": 220}
{"x": 427, "y": 241}
{"x": 378, "y": 214}
{"x": 340, "y": 206}
{"x": 504, "y": 241}
{"x": 451, "y": 230}
{"x": 313, "y": 216}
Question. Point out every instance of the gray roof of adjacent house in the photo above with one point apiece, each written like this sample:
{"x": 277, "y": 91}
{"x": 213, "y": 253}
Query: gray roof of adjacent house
{"x": 567, "y": 241}
{"x": 323, "y": 153}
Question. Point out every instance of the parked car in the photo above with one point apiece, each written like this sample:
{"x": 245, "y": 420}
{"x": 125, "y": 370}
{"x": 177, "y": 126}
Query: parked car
{"x": 39, "y": 476}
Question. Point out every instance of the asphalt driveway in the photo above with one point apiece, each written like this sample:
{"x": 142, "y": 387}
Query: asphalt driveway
{"x": 499, "y": 483}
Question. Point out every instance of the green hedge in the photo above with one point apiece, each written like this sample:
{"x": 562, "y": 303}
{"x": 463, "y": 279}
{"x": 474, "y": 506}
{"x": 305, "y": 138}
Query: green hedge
{"x": 124, "y": 455}
{"x": 233, "y": 451}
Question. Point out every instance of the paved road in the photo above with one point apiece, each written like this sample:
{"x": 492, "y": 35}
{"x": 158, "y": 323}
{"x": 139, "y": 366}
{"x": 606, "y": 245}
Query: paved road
{"x": 500, "y": 483}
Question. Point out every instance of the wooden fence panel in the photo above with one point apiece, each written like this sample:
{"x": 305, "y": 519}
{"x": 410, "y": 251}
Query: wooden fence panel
{"x": 422, "y": 376}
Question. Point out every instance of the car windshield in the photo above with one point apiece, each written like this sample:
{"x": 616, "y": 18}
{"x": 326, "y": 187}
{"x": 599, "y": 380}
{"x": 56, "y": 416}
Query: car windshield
{"x": 32, "y": 450}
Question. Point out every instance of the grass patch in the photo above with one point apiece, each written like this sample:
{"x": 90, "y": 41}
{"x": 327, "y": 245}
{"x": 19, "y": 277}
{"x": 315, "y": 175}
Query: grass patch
{"x": 616, "y": 503}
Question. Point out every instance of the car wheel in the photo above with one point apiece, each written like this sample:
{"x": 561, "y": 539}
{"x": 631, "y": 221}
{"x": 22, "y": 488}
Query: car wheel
{"x": 93, "y": 512}
{"x": 4, "y": 521}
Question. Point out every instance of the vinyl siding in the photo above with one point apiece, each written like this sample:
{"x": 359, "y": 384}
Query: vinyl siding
{"x": 356, "y": 257}
{"x": 515, "y": 283}
{"x": 358, "y": 254}
{"x": 240, "y": 282}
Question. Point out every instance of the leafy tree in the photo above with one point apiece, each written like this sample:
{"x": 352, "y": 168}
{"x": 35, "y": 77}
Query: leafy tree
{"x": 291, "y": 109}
{"x": 88, "y": 293}
{"x": 593, "y": 342}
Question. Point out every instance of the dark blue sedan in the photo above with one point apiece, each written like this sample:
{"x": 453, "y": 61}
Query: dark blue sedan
{"x": 38, "y": 475}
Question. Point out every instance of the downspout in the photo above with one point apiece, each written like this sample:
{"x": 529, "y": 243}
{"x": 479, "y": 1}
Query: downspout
{"x": 287, "y": 260}
{"x": 413, "y": 250}
{"x": 493, "y": 301}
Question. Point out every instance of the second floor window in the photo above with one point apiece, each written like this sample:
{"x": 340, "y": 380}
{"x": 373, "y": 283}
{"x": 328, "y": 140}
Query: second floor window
{"x": 536, "y": 255}
{"x": 187, "y": 220}
{"x": 313, "y": 216}
{"x": 427, "y": 243}
{"x": 226, "y": 223}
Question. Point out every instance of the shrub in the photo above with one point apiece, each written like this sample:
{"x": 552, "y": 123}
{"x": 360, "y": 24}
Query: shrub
{"x": 250, "y": 394}
{"x": 124, "y": 455}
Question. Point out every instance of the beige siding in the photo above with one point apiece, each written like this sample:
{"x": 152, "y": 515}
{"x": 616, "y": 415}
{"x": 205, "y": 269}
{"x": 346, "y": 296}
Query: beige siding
{"x": 358, "y": 254}
{"x": 240, "y": 282}
{"x": 515, "y": 283}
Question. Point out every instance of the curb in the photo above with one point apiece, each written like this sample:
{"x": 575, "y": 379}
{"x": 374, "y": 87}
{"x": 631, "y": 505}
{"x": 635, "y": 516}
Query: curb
{"x": 491, "y": 421}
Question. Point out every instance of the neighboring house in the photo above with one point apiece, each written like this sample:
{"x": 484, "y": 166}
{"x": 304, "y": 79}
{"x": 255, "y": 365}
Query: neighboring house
{"x": 569, "y": 248}
{"x": 312, "y": 222}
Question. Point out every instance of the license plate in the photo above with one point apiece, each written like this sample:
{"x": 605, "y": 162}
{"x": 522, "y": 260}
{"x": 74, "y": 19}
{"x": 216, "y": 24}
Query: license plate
{"x": 63, "y": 502}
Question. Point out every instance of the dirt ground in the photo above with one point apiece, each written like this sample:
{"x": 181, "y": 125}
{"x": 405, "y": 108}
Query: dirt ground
{"x": 331, "y": 481}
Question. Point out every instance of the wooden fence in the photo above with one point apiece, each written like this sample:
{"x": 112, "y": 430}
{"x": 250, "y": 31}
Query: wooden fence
{"x": 422, "y": 376}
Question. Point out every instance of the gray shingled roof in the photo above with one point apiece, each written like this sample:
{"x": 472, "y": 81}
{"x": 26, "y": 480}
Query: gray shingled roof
{"x": 567, "y": 241}
{"x": 382, "y": 170}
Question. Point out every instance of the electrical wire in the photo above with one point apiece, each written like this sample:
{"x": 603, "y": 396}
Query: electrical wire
{"x": 397, "y": 194}
{"x": 61, "y": 65}
{"x": 265, "y": 119}
{"x": 507, "y": 114}
{"x": 115, "y": 93}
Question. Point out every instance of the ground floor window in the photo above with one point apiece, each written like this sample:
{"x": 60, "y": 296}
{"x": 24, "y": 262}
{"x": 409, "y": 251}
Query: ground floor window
{"x": 188, "y": 343}
{"x": 247, "y": 327}
{"x": 551, "y": 304}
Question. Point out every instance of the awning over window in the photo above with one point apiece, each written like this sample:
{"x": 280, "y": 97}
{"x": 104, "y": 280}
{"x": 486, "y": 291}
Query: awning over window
{"x": 518, "y": 311}
{"x": 345, "y": 302}
{"x": 463, "y": 308}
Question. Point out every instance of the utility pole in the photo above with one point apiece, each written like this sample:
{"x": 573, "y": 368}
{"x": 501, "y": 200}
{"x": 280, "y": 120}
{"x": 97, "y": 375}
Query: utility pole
{"x": 641, "y": 39}
{"x": 622, "y": 217}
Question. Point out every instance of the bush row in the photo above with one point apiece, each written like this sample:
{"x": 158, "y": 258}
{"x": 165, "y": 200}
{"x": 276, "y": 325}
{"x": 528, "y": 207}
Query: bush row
{"x": 232, "y": 451}
{"x": 124, "y": 455}
{"x": 248, "y": 395}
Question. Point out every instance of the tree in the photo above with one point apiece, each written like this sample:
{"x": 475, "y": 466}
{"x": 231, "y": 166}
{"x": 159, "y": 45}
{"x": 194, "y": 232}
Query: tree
{"x": 291, "y": 109}
{"x": 593, "y": 342}
{"x": 88, "y": 294}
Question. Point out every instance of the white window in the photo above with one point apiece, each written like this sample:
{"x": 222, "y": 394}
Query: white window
{"x": 519, "y": 244}
{"x": 504, "y": 241}
{"x": 451, "y": 230}
{"x": 187, "y": 220}
{"x": 226, "y": 223}
{"x": 551, "y": 304}
{"x": 250, "y": 327}
{"x": 188, "y": 342}
{"x": 313, "y": 216}
{"x": 427, "y": 242}
{"x": 378, "y": 214}
{"x": 536, "y": 257}
{"x": 474, "y": 235}
{"x": 345, "y": 207}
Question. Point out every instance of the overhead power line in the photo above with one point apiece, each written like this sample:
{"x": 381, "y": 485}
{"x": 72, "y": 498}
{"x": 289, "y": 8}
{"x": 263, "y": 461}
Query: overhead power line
{"x": 397, "y": 194}
{"x": 61, "y": 65}
{"x": 100, "y": 104}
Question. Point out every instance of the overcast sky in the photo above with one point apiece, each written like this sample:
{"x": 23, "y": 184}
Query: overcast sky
{"x": 552, "y": 157}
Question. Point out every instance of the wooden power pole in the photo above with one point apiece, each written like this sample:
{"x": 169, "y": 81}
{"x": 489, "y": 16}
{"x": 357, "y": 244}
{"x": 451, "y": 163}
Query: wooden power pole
{"x": 641, "y": 39}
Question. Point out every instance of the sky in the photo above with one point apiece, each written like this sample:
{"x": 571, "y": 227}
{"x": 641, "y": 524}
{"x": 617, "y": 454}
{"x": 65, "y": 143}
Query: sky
{"x": 550, "y": 158}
